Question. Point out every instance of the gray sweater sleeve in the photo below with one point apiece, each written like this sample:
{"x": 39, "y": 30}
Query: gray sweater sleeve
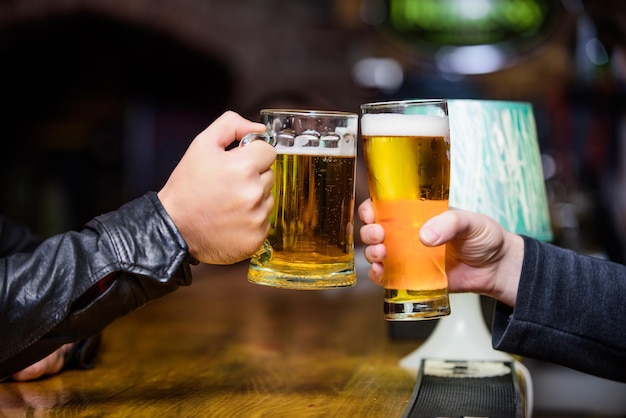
{"x": 570, "y": 310}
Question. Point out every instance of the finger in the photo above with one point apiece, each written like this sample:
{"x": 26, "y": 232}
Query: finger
{"x": 260, "y": 153}
{"x": 32, "y": 372}
{"x": 375, "y": 253}
{"x": 267, "y": 180}
{"x": 366, "y": 211}
{"x": 49, "y": 365}
{"x": 372, "y": 234}
{"x": 375, "y": 273}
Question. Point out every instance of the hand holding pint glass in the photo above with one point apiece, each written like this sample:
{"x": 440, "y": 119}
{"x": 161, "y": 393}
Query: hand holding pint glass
{"x": 310, "y": 244}
{"x": 407, "y": 153}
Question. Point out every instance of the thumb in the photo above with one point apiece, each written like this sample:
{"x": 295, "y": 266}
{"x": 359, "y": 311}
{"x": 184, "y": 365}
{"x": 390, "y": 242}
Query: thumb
{"x": 230, "y": 127}
{"x": 440, "y": 228}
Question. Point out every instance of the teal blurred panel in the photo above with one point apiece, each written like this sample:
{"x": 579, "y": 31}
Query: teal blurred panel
{"x": 496, "y": 165}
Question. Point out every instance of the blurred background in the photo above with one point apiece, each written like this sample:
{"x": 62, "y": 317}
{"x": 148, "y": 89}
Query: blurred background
{"x": 101, "y": 98}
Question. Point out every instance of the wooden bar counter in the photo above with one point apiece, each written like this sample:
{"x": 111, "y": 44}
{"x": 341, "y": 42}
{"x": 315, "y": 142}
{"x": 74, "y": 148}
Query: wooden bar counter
{"x": 226, "y": 348}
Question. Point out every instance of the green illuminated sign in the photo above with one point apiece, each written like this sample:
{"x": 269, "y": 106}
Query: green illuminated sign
{"x": 469, "y": 22}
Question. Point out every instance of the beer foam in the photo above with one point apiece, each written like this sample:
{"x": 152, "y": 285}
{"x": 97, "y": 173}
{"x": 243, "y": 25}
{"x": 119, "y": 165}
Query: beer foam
{"x": 398, "y": 124}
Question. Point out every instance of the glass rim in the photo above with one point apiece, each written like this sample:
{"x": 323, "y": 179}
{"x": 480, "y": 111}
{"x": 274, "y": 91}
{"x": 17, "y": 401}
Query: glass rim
{"x": 309, "y": 112}
{"x": 407, "y": 102}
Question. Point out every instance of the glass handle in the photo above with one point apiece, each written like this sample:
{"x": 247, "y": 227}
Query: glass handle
{"x": 267, "y": 136}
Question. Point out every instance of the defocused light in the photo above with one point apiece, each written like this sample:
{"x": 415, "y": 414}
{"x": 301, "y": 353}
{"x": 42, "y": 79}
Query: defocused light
{"x": 596, "y": 52}
{"x": 384, "y": 74}
{"x": 548, "y": 164}
{"x": 467, "y": 36}
{"x": 618, "y": 66}
{"x": 479, "y": 59}
{"x": 467, "y": 22}
{"x": 473, "y": 9}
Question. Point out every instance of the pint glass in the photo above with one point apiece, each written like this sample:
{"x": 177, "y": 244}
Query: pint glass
{"x": 406, "y": 147}
{"x": 310, "y": 244}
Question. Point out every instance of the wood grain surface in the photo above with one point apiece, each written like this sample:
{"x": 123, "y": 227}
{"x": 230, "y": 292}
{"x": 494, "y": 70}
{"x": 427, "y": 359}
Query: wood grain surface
{"x": 226, "y": 348}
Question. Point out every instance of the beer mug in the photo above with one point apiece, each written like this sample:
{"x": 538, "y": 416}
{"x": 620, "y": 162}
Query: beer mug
{"x": 406, "y": 147}
{"x": 310, "y": 244}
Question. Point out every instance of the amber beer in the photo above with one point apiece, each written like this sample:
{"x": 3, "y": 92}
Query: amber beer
{"x": 310, "y": 244}
{"x": 408, "y": 162}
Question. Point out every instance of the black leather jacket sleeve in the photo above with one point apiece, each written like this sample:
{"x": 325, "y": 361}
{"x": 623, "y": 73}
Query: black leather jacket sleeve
{"x": 74, "y": 284}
